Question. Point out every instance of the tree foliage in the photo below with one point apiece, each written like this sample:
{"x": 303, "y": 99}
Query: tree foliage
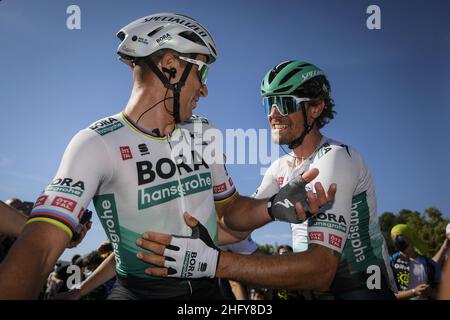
{"x": 267, "y": 249}
{"x": 430, "y": 227}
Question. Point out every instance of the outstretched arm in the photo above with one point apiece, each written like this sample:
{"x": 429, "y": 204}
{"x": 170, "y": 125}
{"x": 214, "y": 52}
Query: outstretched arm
{"x": 246, "y": 214}
{"x": 313, "y": 269}
{"x": 30, "y": 260}
{"x": 440, "y": 255}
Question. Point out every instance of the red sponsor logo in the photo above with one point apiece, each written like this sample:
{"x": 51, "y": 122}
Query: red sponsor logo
{"x": 315, "y": 235}
{"x": 220, "y": 188}
{"x": 64, "y": 203}
{"x": 230, "y": 181}
{"x": 81, "y": 213}
{"x": 126, "y": 153}
{"x": 280, "y": 181}
{"x": 40, "y": 201}
{"x": 334, "y": 240}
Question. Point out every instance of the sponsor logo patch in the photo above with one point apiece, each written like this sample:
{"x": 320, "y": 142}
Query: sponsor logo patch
{"x": 126, "y": 153}
{"x": 67, "y": 185}
{"x": 316, "y": 235}
{"x": 106, "y": 126}
{"x": 335, "y": 240}
{"x": 40, "y": 201}
{"x": 64, "y": 203}
{"x": 220, "y": 188}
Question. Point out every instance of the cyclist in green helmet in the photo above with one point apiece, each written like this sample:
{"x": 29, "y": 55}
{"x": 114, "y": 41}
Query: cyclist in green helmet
{"x": 341, "y": 249}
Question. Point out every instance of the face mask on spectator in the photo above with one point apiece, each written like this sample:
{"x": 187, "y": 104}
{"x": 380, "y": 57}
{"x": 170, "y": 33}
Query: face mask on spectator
{"x": 400, "y": 243}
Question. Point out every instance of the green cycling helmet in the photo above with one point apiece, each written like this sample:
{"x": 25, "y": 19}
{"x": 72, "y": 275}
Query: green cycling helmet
{"x": 287, "y": 80}
{"x": 287, "y": 77}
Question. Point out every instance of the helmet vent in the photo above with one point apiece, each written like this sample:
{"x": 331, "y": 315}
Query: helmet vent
{"x": 191, "y": 36}
{"x": 121, "y": 35}
{"x": 155, "y": 31}
{"x": 281, "y": 66}
{"x": 290, "y": 75}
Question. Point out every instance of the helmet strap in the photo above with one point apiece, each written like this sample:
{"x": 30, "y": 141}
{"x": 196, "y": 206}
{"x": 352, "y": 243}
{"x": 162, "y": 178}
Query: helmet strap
{"x": 307, "y": 128}
{"x": 174, "y": 87}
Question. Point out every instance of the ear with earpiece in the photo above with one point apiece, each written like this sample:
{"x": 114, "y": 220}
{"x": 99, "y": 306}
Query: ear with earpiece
{"x": 172, "y": 72}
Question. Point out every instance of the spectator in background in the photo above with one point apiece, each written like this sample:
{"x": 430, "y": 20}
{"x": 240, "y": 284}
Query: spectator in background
{"x": 13, "y": 216}
{"x": 284, "y": 294}
{"x": 100, "y": 276}
{"x": 284, "y": 249}
{"x": 441, "y": 256}
{"x": 444, "y": 289}
{"x": 259, "y": 294}
{"x": 75, "y": 259}
{"x": 416, "y": 275}
{"x": 12, "y": 219}
{"x": 232, "y": 289}
{"x": 105, "y": 249}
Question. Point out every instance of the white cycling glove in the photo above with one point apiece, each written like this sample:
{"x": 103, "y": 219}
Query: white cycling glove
{"x": 193, "y": 256}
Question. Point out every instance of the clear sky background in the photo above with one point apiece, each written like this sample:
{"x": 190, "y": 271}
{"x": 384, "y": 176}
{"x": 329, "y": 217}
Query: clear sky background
{"x": 391, "y": 86}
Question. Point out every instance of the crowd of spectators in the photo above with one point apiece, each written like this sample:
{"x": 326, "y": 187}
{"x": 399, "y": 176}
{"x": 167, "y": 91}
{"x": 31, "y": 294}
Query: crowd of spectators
{"x": 416, "y": 276}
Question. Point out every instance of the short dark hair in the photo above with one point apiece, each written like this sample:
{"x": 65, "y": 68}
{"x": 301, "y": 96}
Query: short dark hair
{"x": 93, "y": 260}
{"x": 286, "y": 247}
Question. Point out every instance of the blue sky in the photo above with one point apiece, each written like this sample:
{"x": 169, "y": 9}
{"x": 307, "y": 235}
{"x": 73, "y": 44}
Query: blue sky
{"x": 391, "y": 86}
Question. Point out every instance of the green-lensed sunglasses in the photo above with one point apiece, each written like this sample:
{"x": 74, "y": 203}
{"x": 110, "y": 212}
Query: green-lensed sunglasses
{"x": 284, "y": 104}
{"x": 202, "y": 68}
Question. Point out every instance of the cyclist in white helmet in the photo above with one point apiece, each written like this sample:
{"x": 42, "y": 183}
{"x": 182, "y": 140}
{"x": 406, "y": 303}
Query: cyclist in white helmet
{"x": 131, "y": 165}
{"x": 341, "y": 249}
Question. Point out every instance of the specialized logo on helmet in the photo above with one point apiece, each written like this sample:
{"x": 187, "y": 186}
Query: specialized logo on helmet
{"x": 164, "y": 39}
{"x": 179, "y": 20}
{"x": 311, "y": 74}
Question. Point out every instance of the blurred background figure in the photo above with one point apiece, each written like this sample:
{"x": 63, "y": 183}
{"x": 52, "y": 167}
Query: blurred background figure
{"x": 444, "y": 289}
{"x": 234, "y": 290}
{"x": 284, "y": 294}
{"x": 417, "y": 276}
{"x": 442, "y": 255}
{"x": 13, "y": 215}
{"x": 259, "y": 294}
{"x": 89, "y": 288}
{"x": 23, "y": 206}
{"x": 284, "y": 249}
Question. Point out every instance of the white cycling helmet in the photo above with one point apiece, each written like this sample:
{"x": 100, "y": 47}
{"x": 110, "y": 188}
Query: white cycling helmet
{"x": 149, "y": 34}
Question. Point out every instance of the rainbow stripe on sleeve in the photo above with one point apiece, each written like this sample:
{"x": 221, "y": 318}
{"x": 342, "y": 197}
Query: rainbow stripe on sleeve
{"x": 56, "y": 218}
{"x": 223, "y": 198}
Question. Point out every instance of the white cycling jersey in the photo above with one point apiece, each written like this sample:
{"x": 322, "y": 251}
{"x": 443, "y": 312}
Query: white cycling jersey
{"x": 349, "y": 225}
{"x": 138, "y": 182}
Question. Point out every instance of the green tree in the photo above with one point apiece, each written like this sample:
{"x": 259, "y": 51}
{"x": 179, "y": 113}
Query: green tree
{"x": 430, "y": 227}
{"x": 267, "y": 249}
